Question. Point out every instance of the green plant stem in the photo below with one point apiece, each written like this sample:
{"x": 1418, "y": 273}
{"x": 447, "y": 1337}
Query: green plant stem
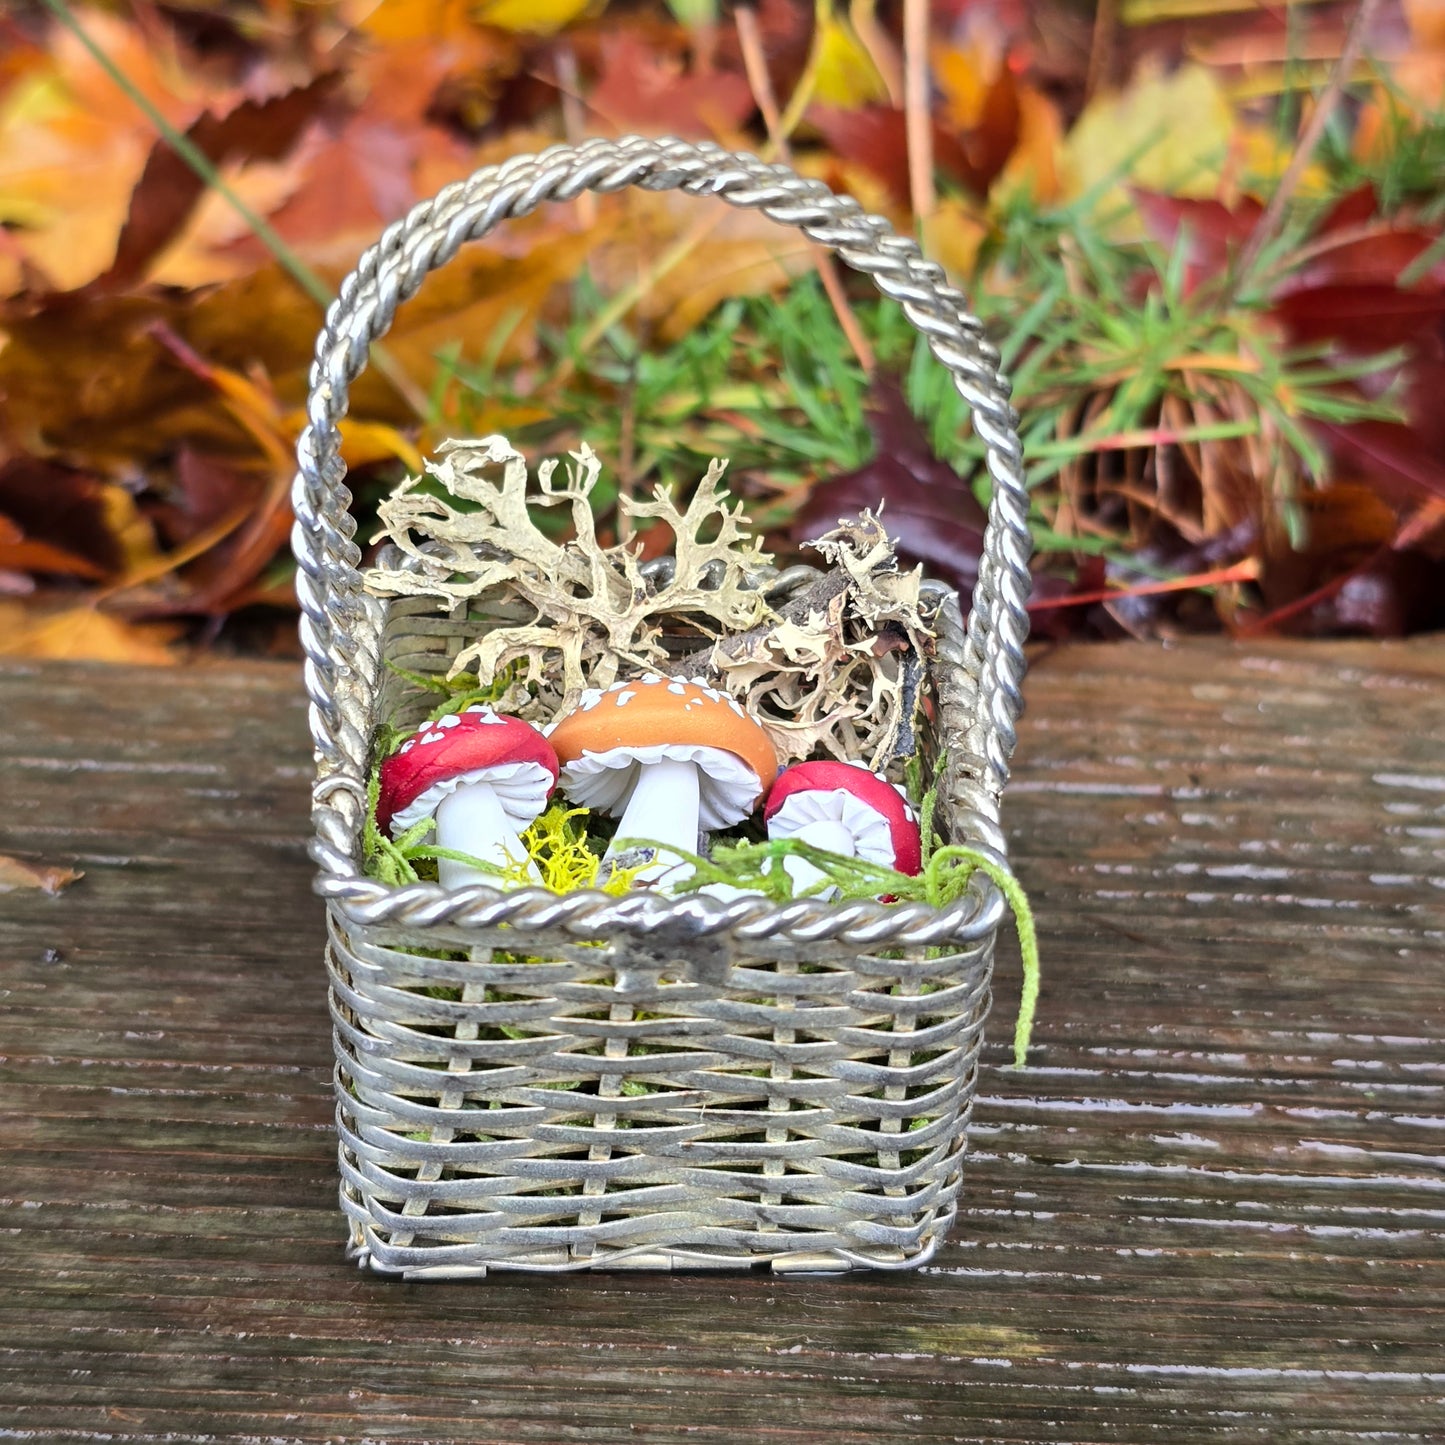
{"x": 1269, "y": 222}
{"x": 307, "y": 279}
{"x": 943, "y": 880}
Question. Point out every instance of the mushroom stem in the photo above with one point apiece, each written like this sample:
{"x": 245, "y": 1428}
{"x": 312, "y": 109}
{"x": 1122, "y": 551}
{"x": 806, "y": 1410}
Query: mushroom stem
{"x": 471, "y": 819}
{"x": 663, "y": 809}
{"x": 832, "y": 837}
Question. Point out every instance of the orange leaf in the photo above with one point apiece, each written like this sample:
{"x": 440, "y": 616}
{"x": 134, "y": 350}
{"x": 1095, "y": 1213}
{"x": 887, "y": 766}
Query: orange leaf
{"x": 73, "y": 145}
{"x": 16, "y": 873}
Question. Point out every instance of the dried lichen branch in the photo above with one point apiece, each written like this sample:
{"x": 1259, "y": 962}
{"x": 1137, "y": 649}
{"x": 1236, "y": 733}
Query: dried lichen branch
{"x": 595, "y": 613}
{"x": 839, "y": 673}
{"x": 833, "y": 670}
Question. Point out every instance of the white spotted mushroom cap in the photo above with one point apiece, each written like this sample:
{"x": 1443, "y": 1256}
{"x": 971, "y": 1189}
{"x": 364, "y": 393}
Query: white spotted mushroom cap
{"x": 478, "y": 745}
{"x": 611, "y": 733}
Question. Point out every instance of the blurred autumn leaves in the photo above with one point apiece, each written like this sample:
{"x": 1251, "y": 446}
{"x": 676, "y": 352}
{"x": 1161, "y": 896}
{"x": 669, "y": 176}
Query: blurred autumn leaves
{"x": 155, "y": 346}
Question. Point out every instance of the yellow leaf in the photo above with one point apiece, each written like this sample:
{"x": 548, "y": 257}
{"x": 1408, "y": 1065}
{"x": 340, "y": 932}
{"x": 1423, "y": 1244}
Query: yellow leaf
{"x": 535, "y": 17}
{"x": 1258, "y": 159}
{"x": 83, "y": 633}
{"x": 133, "y": 533}
{"x": 953, "y": 234}
{"x": 1168, "y": 133}
{"x": 843, "y": 72}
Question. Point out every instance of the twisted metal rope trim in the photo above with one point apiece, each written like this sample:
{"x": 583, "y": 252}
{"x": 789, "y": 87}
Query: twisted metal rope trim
{"x": 340, "y": 625}
{"x": 859, "y": 922}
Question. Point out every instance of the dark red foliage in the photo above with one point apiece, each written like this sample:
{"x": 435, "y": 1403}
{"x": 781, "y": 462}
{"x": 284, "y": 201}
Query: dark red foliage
{"x": 1212, "y": 231}
{"x": 927, "y": 506}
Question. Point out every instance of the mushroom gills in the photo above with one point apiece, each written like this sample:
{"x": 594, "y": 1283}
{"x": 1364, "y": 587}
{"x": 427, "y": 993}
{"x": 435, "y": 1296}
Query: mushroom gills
{"x": 828, "y": 834}
{"x": 472, "y": 820}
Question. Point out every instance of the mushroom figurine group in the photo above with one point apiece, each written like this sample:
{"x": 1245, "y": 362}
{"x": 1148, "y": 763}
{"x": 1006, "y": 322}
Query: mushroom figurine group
{"x": 670, "y": 758}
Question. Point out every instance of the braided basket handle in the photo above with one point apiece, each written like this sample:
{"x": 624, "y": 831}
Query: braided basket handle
{"x": 328, "y": 582}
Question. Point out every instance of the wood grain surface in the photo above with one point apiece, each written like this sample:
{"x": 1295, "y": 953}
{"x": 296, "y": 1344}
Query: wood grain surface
{"x": 1213, "y": 1208}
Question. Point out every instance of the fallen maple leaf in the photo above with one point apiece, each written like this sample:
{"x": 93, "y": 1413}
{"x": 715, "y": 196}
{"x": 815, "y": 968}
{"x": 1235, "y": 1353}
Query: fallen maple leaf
{"x": 640, "y": 88}
{"x": 73, "y": 145}
{"x": 169, "y": 190}
{"x": 16, "y": 873}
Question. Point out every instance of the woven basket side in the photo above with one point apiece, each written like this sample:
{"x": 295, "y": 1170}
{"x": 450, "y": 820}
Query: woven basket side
{"x": 569, "y": 1097}
{"x": 492, "y": 1114}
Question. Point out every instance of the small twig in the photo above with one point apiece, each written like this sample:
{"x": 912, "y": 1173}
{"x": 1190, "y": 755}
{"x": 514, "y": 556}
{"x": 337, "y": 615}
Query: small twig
{"x": 1309, "y": 140}
{"x": 755, "y": 66}
{"x": 1101, "y": 48}
{"x": 574, "y": 123}
{"x": 626, "y": 460}
{"x": 918, "y": 116}
{"x": 815, "y": 597}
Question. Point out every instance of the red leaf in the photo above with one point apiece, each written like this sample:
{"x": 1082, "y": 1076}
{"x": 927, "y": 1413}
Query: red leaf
{"x": 1214, "y": 230}
{"x": 927, "y": 506}
{"x": 208, "y": 490}
{"x": 1363, "y": 317}
{"x": 1375, "y": 258}
{"x": 1355, "y": 208}
{"x": 1390, "y": 456}
{"x": 640, "y": 88}
{"x": 876, "y": 138}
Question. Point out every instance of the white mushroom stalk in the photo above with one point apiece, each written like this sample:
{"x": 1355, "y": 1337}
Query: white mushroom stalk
{"x": 841, "y": 808}
{"x": 831, "y": 837}
{"x": 473, "y": 820}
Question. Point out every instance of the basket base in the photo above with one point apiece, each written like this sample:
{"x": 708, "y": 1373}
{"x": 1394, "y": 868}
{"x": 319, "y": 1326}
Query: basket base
{"x": 369, "y": 1252}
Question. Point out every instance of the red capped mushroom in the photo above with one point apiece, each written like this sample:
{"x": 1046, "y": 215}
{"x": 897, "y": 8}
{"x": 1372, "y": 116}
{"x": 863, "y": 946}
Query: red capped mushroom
{"x": 483, "y": 777}
{"x": 842, "y": 808}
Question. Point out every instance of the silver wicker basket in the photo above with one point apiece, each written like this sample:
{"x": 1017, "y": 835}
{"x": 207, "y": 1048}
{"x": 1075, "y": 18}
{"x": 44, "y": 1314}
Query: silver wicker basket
{"x": 526, "y": 1081}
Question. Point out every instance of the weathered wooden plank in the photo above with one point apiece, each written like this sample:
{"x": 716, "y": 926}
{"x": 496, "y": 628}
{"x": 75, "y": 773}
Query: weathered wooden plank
{"x": 1213, "y": 1208}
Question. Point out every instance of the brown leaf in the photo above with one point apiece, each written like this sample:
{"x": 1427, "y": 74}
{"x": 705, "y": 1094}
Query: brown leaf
{"x": 66, "y": 521}
{"x": 169, "y": 188}
{"x": 16, "y": 873}
{"x": 641, "y": 88}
